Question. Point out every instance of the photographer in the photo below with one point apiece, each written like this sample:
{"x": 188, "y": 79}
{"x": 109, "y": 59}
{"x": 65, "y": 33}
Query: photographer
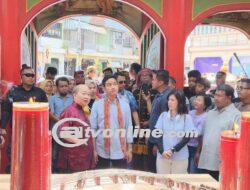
{"x": 144, "y": 95}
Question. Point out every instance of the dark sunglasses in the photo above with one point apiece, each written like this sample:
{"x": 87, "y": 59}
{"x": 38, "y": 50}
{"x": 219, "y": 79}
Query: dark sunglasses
{"x": 122, "y": 82}
{"x": 29, "y": 75}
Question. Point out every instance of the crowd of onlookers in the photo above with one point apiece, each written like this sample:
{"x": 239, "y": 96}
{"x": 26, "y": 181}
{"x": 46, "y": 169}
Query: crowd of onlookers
{"x": 136, "y": 100}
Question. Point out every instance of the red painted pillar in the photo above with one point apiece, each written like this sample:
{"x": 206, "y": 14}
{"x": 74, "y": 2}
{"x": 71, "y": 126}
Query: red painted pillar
{"x": 1, "y": 30}
{"x": 10, "y": 41}
{"x": 174, "y": 15}
{"x": 10, "y": 53}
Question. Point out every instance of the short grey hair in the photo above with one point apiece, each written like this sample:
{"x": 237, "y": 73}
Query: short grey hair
{"x": 78, "y": 87}
{"x": 89, "y": 82}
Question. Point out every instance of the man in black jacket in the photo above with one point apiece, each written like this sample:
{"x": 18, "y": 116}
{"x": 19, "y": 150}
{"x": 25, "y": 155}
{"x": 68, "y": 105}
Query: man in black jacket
{"x": 21, "y": 93}
{"x": 160, "y": 83}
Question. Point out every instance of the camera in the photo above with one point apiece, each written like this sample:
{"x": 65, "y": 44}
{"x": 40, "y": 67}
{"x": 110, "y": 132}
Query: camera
{"x": 145, "y": 88}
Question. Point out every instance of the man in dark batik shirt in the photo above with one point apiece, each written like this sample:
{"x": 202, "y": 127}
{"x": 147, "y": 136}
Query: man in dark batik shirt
{"x": 144, "y": 95}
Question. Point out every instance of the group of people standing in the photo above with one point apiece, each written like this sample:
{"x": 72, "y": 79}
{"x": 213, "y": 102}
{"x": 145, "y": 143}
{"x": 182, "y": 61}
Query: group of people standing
{"x": 148, "y": 102}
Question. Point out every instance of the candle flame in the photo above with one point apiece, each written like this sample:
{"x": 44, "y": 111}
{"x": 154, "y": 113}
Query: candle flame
{"x": 31, "y": 100}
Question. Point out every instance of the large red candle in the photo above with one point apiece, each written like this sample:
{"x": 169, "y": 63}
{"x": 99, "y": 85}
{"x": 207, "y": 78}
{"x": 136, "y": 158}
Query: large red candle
{"x": 31, "y": 147}
{"x": 228, "y": 153}
{"x": 244, "y": 151}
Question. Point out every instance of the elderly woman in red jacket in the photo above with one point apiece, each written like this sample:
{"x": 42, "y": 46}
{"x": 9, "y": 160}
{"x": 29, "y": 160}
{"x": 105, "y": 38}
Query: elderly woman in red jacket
{"x": 81, "y": 157}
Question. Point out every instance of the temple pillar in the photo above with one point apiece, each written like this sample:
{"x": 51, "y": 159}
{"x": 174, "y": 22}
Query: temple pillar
{"x": 175, "y": 39}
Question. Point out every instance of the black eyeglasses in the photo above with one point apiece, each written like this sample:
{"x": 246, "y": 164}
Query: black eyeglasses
{"x": 29, "y": 75}
{"x": 122, "y": 82}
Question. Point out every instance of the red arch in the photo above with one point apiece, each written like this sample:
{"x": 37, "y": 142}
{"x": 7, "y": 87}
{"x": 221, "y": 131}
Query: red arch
{"x": 47, "y": 3}
{"x": 217, "y": 9}
{"x": 111, "y": 18}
